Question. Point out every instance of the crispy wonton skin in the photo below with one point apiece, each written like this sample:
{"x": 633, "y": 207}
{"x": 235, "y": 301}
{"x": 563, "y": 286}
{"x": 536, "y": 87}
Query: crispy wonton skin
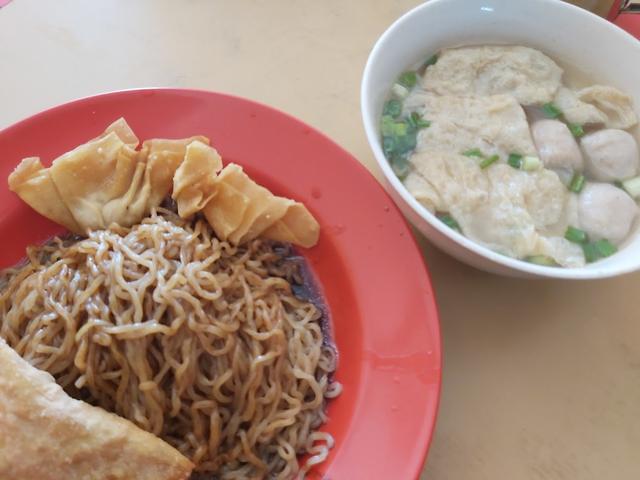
{"x": 241, "y": 210}
{"x": 33, "y": 184}
{"x": 107, "y": 181}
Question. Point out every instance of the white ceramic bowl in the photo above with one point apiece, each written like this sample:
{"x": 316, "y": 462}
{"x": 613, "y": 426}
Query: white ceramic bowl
{"x": 607, "y": 54}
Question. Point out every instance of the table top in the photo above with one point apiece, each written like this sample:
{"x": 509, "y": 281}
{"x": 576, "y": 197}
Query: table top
{"x": 541, "y": 378}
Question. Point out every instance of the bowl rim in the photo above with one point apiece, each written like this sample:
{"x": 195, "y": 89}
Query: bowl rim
{"x": 578, "y": 273}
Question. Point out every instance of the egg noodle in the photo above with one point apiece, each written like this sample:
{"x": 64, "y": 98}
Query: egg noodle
{"x": 201, "y": 343}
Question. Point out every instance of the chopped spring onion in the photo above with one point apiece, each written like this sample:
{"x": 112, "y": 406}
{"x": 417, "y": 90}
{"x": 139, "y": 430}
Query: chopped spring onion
{"x": 597, "y": 250}
{"x": 590, "y": 252}
{"x": 576, "y": 129}
{"x": 449, "y": 221}
{"x": 474, "y": 152}
{"x": 576, "y": 235}
{"x": 387, "y": 145}
{"x": 489, "y": 160}
{"x": 577, "y": 183}
{"x": 406, "y": 143}
{"x": 543, "y": 260}
{"x": 515, "y": 160}
{"x": 431, "y": 60}
{"x": 417, "y": 122}
{"x": 400, "y": 166}
{"x": 408, "y": 79}
{"x": 399, "y": 91}
{"x": 632, "y": 186}
{"x": 605, "y": 248}
{"x": 551, "y": 110}
{"x": 392, "y": 108}
{"x": 391, "y": 127}
{"x": 399, "y": 134}
{"x": 530, "y": 163}
{"x": 387, "y": 125}
{"x": 618, "y": 183}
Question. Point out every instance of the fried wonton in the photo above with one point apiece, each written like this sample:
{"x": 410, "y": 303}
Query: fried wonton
{"x": 107, "y": 181}
{"x": 103, "y": 181}
{"x": 32, "y": 182}
{"x": 297, "y": 226}
{"x": 163, "y": 157}
{"x": 194, "y": 180}
{"x": 47, "y": 435}
{"x": 93, "y": 174}
{"x": 121, "y": 128}
{"x": 242, "y": 210}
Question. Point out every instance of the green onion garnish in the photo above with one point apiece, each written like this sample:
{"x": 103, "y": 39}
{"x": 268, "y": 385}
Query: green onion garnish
{"x": 431, "y": 60}
{"x": 406, "y": 142}
{"x": 577, "y": 182}
{"x": 543, "y": 260}
{"x": 392, "y": 108}
{"x": 530, "y": 163}
{"x": 576, "y": 129}
{"x": 400, "y": 166}
{"x": 387, "y": 125}
{"x": 590, "y": 252}
{"x": 576, "y": 235}
{"x": 605, "y": 248}
{"x": 515, "y": 160}
{"x": 489, "y": 160}
{"x": 391, "y": 127}
{"x": 551, "y": 110}
{"x": 597, "y": 250}
{"x": 632, "y": 186}
{"x": 618, "y": 184}
{"x": 400, "y": 129}
{"x": 399, "y": 91}
{"x": 474, "y": 152}
{"x": 416, "y": 121}
{"x": 449, "y": 221}
{"x": 408, "y": 79}
{"x": 388, "y": 145}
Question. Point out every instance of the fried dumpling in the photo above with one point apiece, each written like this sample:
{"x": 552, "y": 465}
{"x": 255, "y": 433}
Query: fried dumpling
{"x": 149, "y": 183}
{"x": 91, "y": 175}
{"x": 103, "y": 181}
{"x": 297, "y": 226}
{"x": 47, "y": 435}
{"x": 32, "y": 182}
{"x": 242, "y": 210}
{"x": 194, "y": 180}
{"x": 164, "y": 157}
{"x": 106, "y": 181}
{"x": 227, "y": 209}
{"x": 263, "y": 207}
{"x": 122, "y": 129}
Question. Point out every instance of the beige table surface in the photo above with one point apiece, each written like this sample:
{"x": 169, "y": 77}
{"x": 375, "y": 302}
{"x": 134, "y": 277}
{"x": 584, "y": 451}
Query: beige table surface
{"x": 541, "y": 378}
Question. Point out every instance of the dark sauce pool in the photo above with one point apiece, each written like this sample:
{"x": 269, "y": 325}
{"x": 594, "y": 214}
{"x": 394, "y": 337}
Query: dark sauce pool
{"x": 305, "y": 287}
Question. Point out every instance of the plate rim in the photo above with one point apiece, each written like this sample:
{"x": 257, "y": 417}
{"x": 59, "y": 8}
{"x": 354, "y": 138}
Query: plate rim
{"x": 415, "y": 459}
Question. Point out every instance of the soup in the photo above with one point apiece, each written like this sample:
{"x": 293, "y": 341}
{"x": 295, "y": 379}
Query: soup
{"x": 499, "y": 145}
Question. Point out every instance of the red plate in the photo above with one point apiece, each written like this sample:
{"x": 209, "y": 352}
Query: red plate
{"x": 372, "y": 274}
